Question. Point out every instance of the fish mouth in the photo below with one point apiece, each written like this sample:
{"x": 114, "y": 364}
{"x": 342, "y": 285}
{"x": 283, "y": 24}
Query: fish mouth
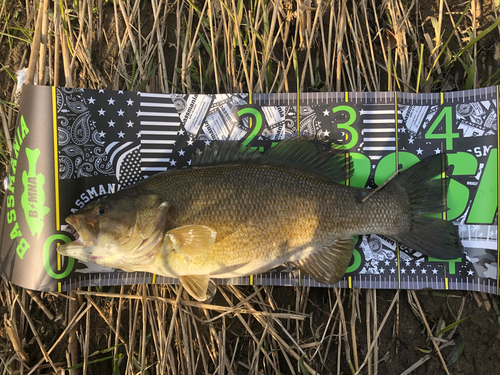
{"x": 80, "y": 248}
{"x": 86, "y": 230}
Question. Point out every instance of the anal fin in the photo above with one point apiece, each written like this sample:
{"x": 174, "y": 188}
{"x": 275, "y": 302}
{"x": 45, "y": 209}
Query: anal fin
{"x": 200, "y": 287}
{"x": 328, "y": 264}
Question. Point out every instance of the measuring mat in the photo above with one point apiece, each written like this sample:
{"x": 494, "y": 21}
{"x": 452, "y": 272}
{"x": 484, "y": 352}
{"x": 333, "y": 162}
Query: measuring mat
{"x": 73, "y": 146}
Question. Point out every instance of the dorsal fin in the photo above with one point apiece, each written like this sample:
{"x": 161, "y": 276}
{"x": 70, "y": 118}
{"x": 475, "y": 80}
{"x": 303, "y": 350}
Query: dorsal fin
{"x": 229, "y": 151}
{"x": 319, "y": 156}
{"x": 307, "y": 153}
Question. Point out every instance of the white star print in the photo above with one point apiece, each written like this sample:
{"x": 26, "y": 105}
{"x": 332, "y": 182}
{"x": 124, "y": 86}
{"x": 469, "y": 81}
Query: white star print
{"x": 180, "y": 132}
{"x": 130, "y": 124}
{"x": 111, "y": 123}
{"x": 102, "y": 134}
{"x": 101, "y": 112}
{"x": 419, "y": 151}
{"x": 190, "y": 142}
{"x": 382, "y": 270}
{"x": 138, "y": 135}
{"x": 403, "y": 130}
{"x": 101, "y": 91}
{"x": 434, "y": 271}
{"x": 386, "y": 262}
{"x": 121, "y": 134}
{"x": 470, "y": 272}
{"x": 326, "y": 112}
{"x": 91, "y": 100}
{"x": 410, "y": 141}
{"x": 393, "y": 270}
{"x": 207, "y": 142}
{"x": 181, "y": 153}
{"x": 120, "y": 112}
{"x": 413, "y": 270}
{"x": 424, "y": 271}
{"x": 403, "y": 270}
{"x": 111, "y": 101}
{"x": 130, "y": 102}
{"x": 189, "y": 162}
{"x": 437, "y": 151}
{"x": 120, "y": 92}
{"x": 172, "y": 162}
{"x": 327, "y": 133}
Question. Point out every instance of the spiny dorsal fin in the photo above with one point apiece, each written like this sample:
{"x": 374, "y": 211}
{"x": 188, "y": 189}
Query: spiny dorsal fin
{"x": 328, "y": 265}
{"x": 229, "y": 151}
{"x": 305, "y": 152}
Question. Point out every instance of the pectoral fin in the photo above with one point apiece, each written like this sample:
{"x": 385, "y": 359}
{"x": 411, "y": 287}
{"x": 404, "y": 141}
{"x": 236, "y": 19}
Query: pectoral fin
{"x": 200, "y": 287}
{"x": 328, "y": 264}
{"x": 191, "y": 240}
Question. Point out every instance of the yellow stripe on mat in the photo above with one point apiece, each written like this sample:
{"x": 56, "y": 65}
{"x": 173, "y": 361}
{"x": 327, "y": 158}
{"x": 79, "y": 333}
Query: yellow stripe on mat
{"x": 56, "y": 177}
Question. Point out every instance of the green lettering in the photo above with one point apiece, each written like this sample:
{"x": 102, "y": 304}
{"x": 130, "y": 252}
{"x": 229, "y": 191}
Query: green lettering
{"x": 448, "y": 135}
{"x": 24, "y": 128}
{"x": 451, "y": 263}
{"x": 356, "y": 261}
{"x": 353, "y": 133}
{"x": 15, "y": 232}
{"x": 33, "y": 196}
{"x": 387, "y": 165}
{"x": 362, "y": 167}
{"x": 13, "y": 165}
{"x": 11, "y": 216}
{"x": 16, "y": 147}
{"x": 56, "y": 239}
{"x": 458, "y": 194}
{"x": 12, "y": 180}
{"x": 22, "y": 247}
{"x": 485, "y": 203}
{"x": 258, "y": 122}
{"x": 10, "y": 201}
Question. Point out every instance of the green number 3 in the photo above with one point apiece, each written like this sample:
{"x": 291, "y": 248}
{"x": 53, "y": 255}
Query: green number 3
{"x": 353, "y": 133}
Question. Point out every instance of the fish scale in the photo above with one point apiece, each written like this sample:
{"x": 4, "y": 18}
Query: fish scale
{"x": 256, "y": 208}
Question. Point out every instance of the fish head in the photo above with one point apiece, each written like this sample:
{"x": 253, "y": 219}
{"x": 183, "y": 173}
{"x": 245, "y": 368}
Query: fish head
{"x": 119, "y": 231}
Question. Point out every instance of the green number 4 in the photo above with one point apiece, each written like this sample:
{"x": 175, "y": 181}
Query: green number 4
{"x": 448, "y": 135}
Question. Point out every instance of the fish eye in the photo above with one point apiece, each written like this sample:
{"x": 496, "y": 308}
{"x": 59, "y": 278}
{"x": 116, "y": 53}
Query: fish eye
{"x": 101, "y": 210}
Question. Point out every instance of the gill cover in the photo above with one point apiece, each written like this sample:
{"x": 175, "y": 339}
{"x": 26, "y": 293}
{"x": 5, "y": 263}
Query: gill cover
{"x": 120, "y": 231}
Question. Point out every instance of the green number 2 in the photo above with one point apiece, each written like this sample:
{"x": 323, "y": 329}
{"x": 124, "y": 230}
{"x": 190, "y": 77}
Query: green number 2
{"x": 258, "y": 122}
{"x": 448, "y": 135}
{"x": 347, "y": 125}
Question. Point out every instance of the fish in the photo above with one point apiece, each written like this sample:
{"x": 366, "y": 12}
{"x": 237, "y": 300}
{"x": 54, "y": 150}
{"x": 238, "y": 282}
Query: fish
{"x": 236, "y": 212}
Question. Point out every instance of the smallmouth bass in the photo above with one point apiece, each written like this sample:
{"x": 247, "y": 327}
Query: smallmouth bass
{"x": 237, "y": 212}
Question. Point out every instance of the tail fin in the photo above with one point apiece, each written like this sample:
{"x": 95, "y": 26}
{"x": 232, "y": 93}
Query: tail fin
{"x": 431, "y": 236}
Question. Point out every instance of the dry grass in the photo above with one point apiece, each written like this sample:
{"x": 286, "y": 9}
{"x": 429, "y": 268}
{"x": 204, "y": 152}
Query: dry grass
{"x": 227, "y": 46}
